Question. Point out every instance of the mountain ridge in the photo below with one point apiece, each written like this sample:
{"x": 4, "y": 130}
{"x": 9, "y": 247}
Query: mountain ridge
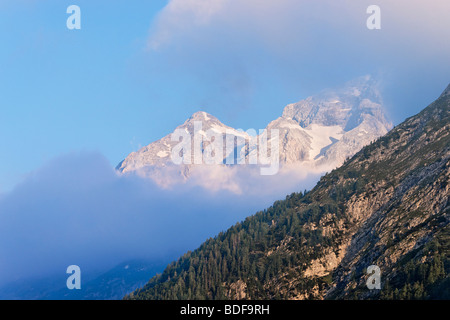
{"x": 320, "y": 131}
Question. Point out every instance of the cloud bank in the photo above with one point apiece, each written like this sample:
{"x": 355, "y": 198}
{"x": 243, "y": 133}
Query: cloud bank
{"x": 78, "y": 210}
{"x": 237, "y": 51}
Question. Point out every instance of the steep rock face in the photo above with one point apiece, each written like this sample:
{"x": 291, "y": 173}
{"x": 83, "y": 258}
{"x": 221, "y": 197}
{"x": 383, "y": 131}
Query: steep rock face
{"x": 405, "y": 208}
{"x": 295, "y": 143}
{"x": 338, "y": 123}
{"x": 387, "y": 206}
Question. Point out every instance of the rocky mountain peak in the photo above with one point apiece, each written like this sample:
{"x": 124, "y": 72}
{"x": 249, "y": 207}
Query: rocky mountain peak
{"x": 202, "y": 116}
{"x": 319, "y": 131}
{"x": 345, "y": 106}
{"x": 207, "y": 120}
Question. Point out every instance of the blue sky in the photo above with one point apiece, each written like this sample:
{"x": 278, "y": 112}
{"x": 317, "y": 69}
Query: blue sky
{"x": 67, "y": 90}
{"x": 137, "y": 69}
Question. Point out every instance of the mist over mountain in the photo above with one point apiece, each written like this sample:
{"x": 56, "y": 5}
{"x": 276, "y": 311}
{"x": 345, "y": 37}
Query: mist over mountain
{"x": 77, "y": 210}
{"x": 315, "y": 136}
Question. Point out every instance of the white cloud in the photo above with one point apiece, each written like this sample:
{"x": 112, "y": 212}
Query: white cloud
{"x": 234, "y": 50}
{"x": 182, "y": 15}
{"x": 276, "y": 21}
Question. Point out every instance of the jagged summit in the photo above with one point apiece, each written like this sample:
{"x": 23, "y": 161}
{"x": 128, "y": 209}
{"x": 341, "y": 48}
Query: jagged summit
{"x": 207, "y": 120}
{"x": 202, "y": 116}
{"x": 344, "y": 106}
{"x": 334, "y": 124}
{"x": 157, "y": 155}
